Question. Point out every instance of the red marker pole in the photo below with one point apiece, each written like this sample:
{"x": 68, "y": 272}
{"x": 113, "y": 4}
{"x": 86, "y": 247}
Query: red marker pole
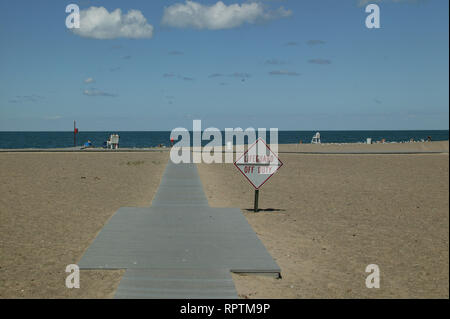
{"x": 75, "y": 131}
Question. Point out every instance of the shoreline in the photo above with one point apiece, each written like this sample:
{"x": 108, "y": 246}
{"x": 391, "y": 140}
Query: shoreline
{"x": 434, "y": 147}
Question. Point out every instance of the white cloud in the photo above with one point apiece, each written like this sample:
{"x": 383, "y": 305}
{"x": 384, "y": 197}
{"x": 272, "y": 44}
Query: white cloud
{"x": 319, "y": 61}
{"x": 89, "y": 80}
{"x": 98, "y": 23}
{"x": 315, "y": 42}
{"x": 96, "y": 92}
{"x": 240, "y": 75}
{"x": 275, "y": 62}
{"x": 284, "y": 72}
{"x": 218, "y": 16}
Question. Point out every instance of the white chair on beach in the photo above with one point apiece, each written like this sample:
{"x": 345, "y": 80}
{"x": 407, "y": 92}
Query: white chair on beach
{"x": 316, "y": 139}
{"x": 113, "y": 142}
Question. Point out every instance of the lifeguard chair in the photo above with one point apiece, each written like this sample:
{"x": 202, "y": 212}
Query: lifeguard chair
{"x": 113, "y": 142}
{"x": 316, "y": 139}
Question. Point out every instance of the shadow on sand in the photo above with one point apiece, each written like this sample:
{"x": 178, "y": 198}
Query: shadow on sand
{"x": 266, "y": 210}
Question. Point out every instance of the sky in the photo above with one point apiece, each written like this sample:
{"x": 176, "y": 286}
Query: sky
{"x": 158, "y": 65}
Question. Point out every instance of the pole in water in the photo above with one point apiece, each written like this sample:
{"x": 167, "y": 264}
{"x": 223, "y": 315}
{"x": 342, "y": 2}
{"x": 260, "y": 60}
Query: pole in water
{"x": 255, "y": 208}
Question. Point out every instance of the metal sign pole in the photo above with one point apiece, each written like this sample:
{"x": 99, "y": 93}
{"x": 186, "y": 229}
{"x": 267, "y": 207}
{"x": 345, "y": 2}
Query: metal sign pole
{"x": 74, "y": 134}
{"x": 257, "y": 169}
{"x": 255, "y": 208}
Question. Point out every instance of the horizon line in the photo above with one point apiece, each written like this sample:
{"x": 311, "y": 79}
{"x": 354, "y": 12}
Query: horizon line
{"x": 284, "y": 130}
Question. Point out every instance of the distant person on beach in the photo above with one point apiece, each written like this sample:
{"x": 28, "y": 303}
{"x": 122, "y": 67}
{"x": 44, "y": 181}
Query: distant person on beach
{"x": 429, "y": 138}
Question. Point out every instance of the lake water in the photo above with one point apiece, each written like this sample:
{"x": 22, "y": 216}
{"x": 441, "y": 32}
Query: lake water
{"x": 150, "y": 139}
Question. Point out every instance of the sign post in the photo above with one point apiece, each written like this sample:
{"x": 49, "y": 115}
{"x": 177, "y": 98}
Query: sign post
{"x": 255, "y": 207}
{"x": 258, "y": 164}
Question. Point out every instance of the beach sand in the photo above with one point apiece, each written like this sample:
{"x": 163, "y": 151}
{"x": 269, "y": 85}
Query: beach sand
{"x": 441, "y": 146}
{"x": 52, "y": 206}
{"x": 326, "y": 217}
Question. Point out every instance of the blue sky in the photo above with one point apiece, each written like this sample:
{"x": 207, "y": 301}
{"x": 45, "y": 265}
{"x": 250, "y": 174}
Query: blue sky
{"x": 299, "y": 65}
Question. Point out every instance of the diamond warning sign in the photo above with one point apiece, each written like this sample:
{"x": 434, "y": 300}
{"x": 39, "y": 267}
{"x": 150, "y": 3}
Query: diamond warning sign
{"x": 258, "y": 163}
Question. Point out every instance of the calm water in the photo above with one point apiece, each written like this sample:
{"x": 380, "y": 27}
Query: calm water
{"x": 150, "y": 139}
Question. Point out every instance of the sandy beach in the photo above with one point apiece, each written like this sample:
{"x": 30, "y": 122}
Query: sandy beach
{"x": 415, "y": 147}
{"x": 324, "y": 218}
{"x": 51, "y": 208}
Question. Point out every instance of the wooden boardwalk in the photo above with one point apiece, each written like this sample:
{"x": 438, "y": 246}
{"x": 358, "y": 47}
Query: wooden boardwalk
{"x": 179, "y": 247}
